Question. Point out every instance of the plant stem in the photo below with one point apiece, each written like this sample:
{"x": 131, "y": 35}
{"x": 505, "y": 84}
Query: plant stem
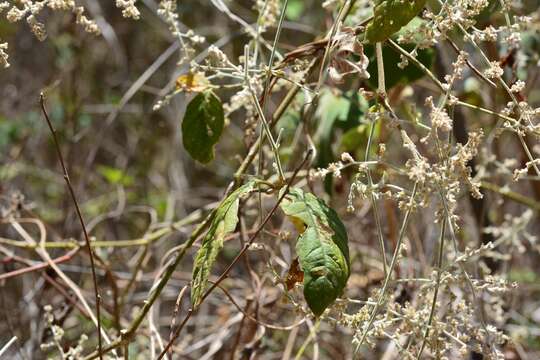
{"x": 436, "y": 292}
{"x": 79, "y": 215}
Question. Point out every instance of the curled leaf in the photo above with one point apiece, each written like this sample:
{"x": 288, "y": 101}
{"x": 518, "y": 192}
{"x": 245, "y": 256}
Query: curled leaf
{"x": 322, "y": 248}
{"x": 223, "y": 223}
{"x": 342, "y": 63}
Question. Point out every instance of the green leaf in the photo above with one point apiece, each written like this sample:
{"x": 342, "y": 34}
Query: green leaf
{"x": 294, "y": 10}
{"x": 202, "y": 126}
{"x": 322, "y": 248}
{"x": 223, "y": 223}
{"x": 354, "y": 140}
{"x": 393, "y": 74}
{"x": 332, "y": 108}
{"x": 335, "y": 111}
{"x": 114, "y": 175}
{"x": 391, "y": 15}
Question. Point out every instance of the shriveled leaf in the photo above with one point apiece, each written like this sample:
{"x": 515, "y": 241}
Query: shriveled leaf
{"x": 202, "y": 126}
{"x": 294, "y": 275}
{"x": 391, "y": 15}
{"x": 189, "y": 82}
{"x": 322, "y": 248}
{"x": 223, "y": 223}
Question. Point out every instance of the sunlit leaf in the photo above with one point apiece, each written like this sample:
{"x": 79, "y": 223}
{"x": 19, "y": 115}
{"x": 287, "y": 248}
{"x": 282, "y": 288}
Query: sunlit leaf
{"x": 202, "y": 126}
{"x": 354, "y": 141}
{"x": 391, "y": 15}
{"x": 335, "y": 112}
{"x": 322, "y": 248}
{"x": 223, "y": 223}
{"x": 114, "y": 175}
{"x": 295, "y": 9}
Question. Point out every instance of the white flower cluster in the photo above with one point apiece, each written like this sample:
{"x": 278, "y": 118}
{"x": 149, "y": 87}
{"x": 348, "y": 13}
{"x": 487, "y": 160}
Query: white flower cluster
{"x": 129, "y": 10}
{"x": 494, "y": 71}
{"x": 268, "y": 13}
{"x": 438, "y": 116}
{"x": 4, "y": 57}
{"x": 167, "y": 10}
{"x": 30, "y": 11}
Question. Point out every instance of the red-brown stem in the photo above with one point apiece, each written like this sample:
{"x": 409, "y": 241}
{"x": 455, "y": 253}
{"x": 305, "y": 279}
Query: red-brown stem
{"x": 79, "y": 215}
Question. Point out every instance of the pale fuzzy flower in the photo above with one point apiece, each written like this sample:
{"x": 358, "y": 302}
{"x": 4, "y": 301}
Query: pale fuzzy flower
{"x": 490, "y": 34}
{"x": 494, "y": 71}
{"x": 37, "y": 28}
{"x": 15, "y": 14}
{"x": 466, "y": 153}
{"x": 438, "y": 116}
{"x": 30, "y": 10}
{"x": 452, "y": 100}
{"x": 347, "y": 158}
{"x": 518, "y": 86}
{"x": 167, "y": 10}
{"x": 64, "y": 5}
{"x": 335, "y": 169}
{"x": 4, "y": 5}
{"x": 216, "y": 57}
{"x": 514, "y": 39}
{"x": 418, "y": 169}
{"x": 3, "y": 55}
{"x": 268, "y": 13}
{"x": 320, "y": 173}
{"x": 457, "y": 70}
{"x": 404, "y": 62}
{"x": 195, "y": 38}
{"x": 129, "y": 10}
{"x": 89, "y": 25}
{"x": 240, "y": 99}
{"x": 507, "y": 111}
{"x": 381, "y": 150}
{"x": 519, "y": 173}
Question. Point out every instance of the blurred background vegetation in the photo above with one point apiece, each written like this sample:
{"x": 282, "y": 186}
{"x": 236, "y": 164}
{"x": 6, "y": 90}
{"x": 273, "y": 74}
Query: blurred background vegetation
{"x": 132, "y": 176}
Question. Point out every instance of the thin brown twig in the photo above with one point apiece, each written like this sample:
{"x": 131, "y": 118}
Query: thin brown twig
{"x": 54, "y": 283}
{"x": 79, "y": 215}
{"x": 225, "y": 273}
{"x": 470, "y": 65}
{"x": 39, "y": 266}
{"x": 177, "y": 305}
{"x": 250, "y": 317}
